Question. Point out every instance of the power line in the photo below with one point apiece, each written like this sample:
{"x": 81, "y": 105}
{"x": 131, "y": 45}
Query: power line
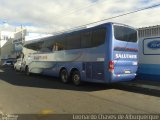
{"x": 71, "y": 11}
{"x": 80, "y": 9}
{"x": 124, "y": 14}
{"x": 142, "y": 9}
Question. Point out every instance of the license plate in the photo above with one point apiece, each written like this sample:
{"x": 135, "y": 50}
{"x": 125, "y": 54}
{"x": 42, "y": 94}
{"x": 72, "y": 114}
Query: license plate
{"x": 127, "y": 72}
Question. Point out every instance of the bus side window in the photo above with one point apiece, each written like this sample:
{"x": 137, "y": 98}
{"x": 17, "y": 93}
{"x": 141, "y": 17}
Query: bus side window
{"x": 54, "y": 47}
{"x": 98, "y": 37}
{"x": 74, "y": 41}
{"x": 57, "y": 47}
{"x": 86, "y": 41}
{"x": 60, "y": 47}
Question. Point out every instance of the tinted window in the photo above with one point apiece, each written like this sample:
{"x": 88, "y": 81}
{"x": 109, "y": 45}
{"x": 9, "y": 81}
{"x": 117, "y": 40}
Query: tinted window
{"x": 79, "y": 40}
{"x": 86, "y": 40}
{"x": 98, "y": 37}
{"x": 60, "y": 44}
{"x": 125, "y": 34}
{"x": 35, "y": 46}
{"x": 74, "y": 42}
{"x": 48, "y": 45}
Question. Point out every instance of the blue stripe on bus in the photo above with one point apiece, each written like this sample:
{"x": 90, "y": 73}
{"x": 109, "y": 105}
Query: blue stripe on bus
{"x": 150, "y": 77}
{"x": 152, "y": 69}
{"x": 149, "y": 72}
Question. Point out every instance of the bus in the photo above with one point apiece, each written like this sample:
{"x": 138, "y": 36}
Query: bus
{"x": 104, "y": 53}
{"x": 149, "y": 59}
{"x": 149, "y": 53}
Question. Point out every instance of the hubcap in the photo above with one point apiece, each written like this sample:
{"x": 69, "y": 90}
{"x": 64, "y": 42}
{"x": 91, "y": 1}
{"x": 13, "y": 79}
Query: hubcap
{"x": 76, "y": 77}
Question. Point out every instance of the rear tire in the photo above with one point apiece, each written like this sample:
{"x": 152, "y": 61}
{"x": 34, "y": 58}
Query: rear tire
{"x": 64, "y": 76}
{"x": 27, "y": 71}
{"x": 76, "y": 78}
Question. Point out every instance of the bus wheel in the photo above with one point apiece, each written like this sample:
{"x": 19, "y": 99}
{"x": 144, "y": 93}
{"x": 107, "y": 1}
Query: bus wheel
{"x": 27, "y": 71}
{"x": 76, "y": 79}
{"x": 64, "y": 76}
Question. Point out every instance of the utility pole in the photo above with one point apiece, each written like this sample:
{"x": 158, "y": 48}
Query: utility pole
{"x": 23, "y": 40}
{"x": 22, "y": 33}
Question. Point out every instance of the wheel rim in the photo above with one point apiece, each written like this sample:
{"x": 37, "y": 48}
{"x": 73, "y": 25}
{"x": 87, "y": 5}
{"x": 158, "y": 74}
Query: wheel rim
{"x": 76, "y": 79}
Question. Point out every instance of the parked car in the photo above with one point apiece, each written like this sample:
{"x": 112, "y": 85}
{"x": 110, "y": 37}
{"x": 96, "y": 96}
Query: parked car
{"x": 18, "y": 65}
{"x": 7, "y": 63}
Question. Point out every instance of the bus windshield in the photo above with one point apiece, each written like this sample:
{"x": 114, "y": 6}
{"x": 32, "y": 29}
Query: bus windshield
{"x": 123, "y": 33}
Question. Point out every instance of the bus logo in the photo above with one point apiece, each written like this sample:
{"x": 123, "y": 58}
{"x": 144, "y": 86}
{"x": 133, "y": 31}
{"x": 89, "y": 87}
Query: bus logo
{"x": 128, "y": 56}
{"x": 154, "y": 44}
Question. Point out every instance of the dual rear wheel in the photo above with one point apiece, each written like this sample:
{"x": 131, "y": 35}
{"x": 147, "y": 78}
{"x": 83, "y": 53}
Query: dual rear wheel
{"x": 75, "y": 77}
{"x": 65, "y": 78}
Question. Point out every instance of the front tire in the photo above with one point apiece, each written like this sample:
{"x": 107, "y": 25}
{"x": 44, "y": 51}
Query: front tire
{"x": 64, "y": 76}
{"x": 15, "y": 69}
{"x": 20, "y": 70}
{"x": 76, "y": 78}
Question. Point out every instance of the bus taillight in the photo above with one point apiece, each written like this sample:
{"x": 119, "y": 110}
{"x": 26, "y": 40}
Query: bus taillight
{"x": 111, "y": 66}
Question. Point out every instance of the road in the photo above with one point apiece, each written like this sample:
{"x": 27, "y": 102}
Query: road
{"x": 21, "y": 94}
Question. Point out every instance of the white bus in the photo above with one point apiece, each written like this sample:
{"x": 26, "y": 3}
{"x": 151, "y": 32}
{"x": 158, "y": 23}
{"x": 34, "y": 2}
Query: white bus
{"x": 149, "y": 59}
{"x": 149, "y": 53}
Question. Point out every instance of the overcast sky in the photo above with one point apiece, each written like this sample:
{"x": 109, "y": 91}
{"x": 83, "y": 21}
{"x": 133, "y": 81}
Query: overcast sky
{"x": 55, "y": 15}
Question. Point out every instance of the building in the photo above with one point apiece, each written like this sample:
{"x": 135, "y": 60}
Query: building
{"x": 18, "y": 41}
{"x": 11, "y": 43}
{"x": 6, "y": 46}
{"x": 151, "y": 31}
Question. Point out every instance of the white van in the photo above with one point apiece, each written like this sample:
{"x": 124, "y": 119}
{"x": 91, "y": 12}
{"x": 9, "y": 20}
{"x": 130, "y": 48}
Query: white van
{"x": 18, "y": 65}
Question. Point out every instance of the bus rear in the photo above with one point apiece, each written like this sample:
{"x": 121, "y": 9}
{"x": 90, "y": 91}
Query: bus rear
{"x": 123, "y": 61}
